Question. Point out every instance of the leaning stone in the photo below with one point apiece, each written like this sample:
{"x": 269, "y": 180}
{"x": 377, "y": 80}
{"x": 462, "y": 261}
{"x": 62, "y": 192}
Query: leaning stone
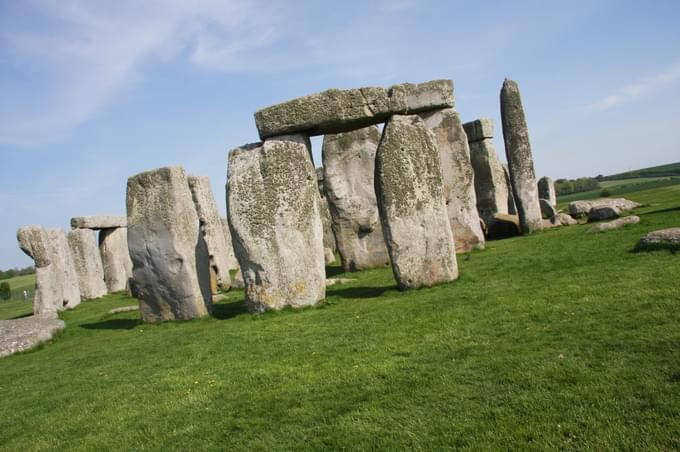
{"x": 512, "y": 207}
{"x": 18, "y": 335}
{"x": 503, "y": 226}
{"x": 99, "y": 222}
{"x": 616, "y": 224}
{"x": 547, "y": 209}
{"x": 663, "y": 239}
{"x": 336, "y": 111}
{"x": 410, "y": 196}
{"x": 457, "y": 177}
{"x": 231, "y": 257}
{"x": 520, "y": 161}
{"x": 546, "y": 190}
{"x": 66, "y": 275}
{"x": 603, "y": 213}
{"x": 87, "y": 262}
{"x": 349, "y": 166}
{"x": 479, "y": 129}
{"x": 212, "y": 230}
{"x": 113, "y": 248}
{"x": 275, "y": 223}
{"x": 169, "y": 256}
{"x": 580, "y": 208}
{"x": 329, "y": 245}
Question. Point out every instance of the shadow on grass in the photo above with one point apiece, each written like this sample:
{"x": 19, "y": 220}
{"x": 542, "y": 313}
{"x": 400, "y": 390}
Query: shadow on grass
{"x": 113, "y": 324}
{"x": 21, "y": 316}
{"x": 670, "y": 209}
{"x": 225, "y": 311}
{"x": 359, "y": 292}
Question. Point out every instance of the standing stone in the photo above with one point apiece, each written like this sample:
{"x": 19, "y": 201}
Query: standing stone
{"x": 273, "y": 211}
{"x": 409, "y": 190}
{"x": 113, "y": 248}
{"x": 349, "y": 166}
{"x": 33, "y": 241}
{"x": 520, "y": 161}
{"x": 231, "y": 257}
{"x": 546, "y": 190}
{"x": 547, "y": 209}
{"x": 329, "y": 245}
{"x": 67, "y": 276}
{"x": 457, "y": 177}
{"x": 88, "y": 263}
{"x": 169, "y": 256}
{"x": 212, "y": 230}
{"x": 512, "y": 207}
{"x": 490, "y": 185}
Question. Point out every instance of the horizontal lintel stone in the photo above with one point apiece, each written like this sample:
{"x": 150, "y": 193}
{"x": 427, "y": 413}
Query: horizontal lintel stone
{"x": 99, "y": 222}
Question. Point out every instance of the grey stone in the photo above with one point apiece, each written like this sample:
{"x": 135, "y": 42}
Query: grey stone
{"x": 131, "y": 308}
{"x": 512, "y": 207}
{"x": 18, "y": 335}
{"x": 329, "y": 244}
{"x": 579, "y": 209}
{"x": 546, "y": 190}
{"x": 34, "y": 243}
{"x": 99, "y": 222}
{"x": 231, "y": 257}
{"x": 87, "y": 262}
{"x": 560, "y": 219}
{"x": 336, "y": 111}
{"x": 237, "y": 281}
{"x": 547, "y": 209}
{"x": 169, "y": 256}
{"x": 212, "y": 230}
{"x": 520, "y": 161}
{"x": 603, "y": 213}
{"x": 273, "y": 211}
{"x": 113, "y": 248}
{"x": 409, "y": 190}
{"x": 479, "y": 129}
{"x": 663, "y": 239}
{"x": 457, "y": 177}
{"x": 615, "y": 224}
{"x": 349, "y": 166}
{"x": 68, "y": 285}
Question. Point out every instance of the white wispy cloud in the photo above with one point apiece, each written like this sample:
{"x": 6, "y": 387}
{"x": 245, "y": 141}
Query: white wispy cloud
{"x": 644, "y": 87}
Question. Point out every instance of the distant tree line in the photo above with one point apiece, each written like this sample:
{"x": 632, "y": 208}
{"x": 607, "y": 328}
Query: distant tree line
{"x": 568, "y": 186}
{"x": 12, "y": 272}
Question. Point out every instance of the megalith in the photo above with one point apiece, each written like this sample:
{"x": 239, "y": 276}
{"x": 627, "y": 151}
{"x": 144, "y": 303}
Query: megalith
{"x": 546, "y": 190}
{"x": 99, "y": 222}
{"x": 413, "y": 215}
{"x": 349, "y": 166}
{"x": 231, "y": 257}
{"x": 457, "y": 178}
{"x": 34, "y": 242}
{"x": 67, "y": 276}
{"x": 113, "y": 248}
{"x": 520, "y": 160}
{"x": 170, "y": 263}
{"x": 329, "y": 245}
{"x": 212, "y": 230}
{"x": 547, "y": 209}
{"x": 273, "y": 211}
{"x": 490, "y": 184}
{"x": 87, "y": 262}
{"x": 512, "y": 207}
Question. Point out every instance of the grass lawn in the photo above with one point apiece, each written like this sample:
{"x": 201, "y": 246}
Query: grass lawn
{"x": 621, "y": 188}
{"x": 559, "y": 340}
{"x": 17, "y": 285}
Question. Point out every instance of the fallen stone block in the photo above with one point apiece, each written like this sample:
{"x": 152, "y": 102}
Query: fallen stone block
{"x": 616, "y": 224}
{"x": 18, "y": 335}
{"x": 663, "y": 239}
{"x": 603, "y": 213}
{"x": 582, "y": 208}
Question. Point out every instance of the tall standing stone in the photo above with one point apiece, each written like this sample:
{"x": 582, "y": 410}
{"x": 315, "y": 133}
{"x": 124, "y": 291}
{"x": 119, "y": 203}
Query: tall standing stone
{"x": 231, "y": 257}
{"x": 546, "y": 190}
{"x": 34, "y": 243}
{"x": 349, "y": 166}
{"x": 211, "y": 228}
{"x": 67, "y": 276}
{"x": 273, "y": 211}
{"x": 329, "y": 245}
{"x": 116, "y": 261}
{"x": 169, "y": 256}
{"x": 520, "y": 161}
{"x": 512, "y": 206}
{"x": 409, "y": 190}
{"x": 87, "y": 262}
{"x": 458, "y": 178}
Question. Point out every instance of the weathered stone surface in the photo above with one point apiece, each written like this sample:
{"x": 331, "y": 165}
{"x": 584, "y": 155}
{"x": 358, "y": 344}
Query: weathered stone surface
{"x": 663, "y": 239}
{"x": 603, "y": 213}
{"x": 33, "y": 241}
{"x": 67, "y": 288}
{"x": 18, "y": 335}
{"x": 349, "y": 166}
{"x": 409, "y": 190}
{"x": 87, "y": 262}
{"x": 616, "y": 224}
{"x": 520, "y": 160}
{"x": 169, "y": 256}
{"x": 582, "y": 208}
{"x": 231, "y": 257}
{"x": 560, "y": 219}
{"x": 479, "y": 129}
{"x": 512, "y": 207}
{"x": 503, "y": 226}
{"x": 131, "y": 308}
{"x": 99, "y": 222}
{"x": 212, "y": 230}
{"x": 547, "y": 209}
{"x": 546, "y": 190}
{"x": 336, "y": 111}
{"x": 273, "y": 204}
{"x": 113, "y": 248}
{"x": 457, "y": 177}
{"x": 329, "y": 244}
{"x": 237, "y": 282}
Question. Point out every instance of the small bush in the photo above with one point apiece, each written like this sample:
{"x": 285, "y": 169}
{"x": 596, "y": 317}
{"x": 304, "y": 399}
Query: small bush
{"x": 5, "y": 291}
{"x": 605, "y": 193}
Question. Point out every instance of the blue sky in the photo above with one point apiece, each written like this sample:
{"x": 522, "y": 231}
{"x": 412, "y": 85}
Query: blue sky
{"x": 92, "y": 92}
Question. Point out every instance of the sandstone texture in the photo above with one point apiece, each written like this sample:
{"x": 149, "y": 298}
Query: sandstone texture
{"x": 18, "y": 335}
{"x": 479, "y": 129}
{"x": 273, "y": 204}
{"x": 603, "y": 213}
{"x": 457, "y": 177}
{"x": 663, "y": 239}
{"x": 231, "y": 257}
{"x": 329, "y": 244}
{"x": 212, "y": 229}
{"x": 520, "y": 160}
{"x": 547, "y": 209}
{"x": 512, "y": 207}
{"x": 113, "y": 248}
{"x": 170, "y": 259}
{"x": 582, "y": 208}
{"x": 67, "y": 281}
{"x": 349, "y": 166}
{"x": 546, "y": 190}
{"x": 99, "y": 222}
{"x": 87, "y": 262}
{"x": 409, "y": 190}
{"x": 560, "y": 219}
{"x": 616, "y": 224}
{"x": 336, "y": 111}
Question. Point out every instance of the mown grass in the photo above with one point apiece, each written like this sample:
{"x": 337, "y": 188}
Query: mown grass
{"x": 559, "y": 340}
{"x": 620, "y": 188}
{"x": 17, "y": 285}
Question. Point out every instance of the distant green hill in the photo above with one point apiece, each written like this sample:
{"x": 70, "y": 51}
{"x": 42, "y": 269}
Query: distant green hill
{"x": 671, "y": 169}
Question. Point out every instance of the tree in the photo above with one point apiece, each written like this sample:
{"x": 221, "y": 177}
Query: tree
{"x": 5, "y": 291}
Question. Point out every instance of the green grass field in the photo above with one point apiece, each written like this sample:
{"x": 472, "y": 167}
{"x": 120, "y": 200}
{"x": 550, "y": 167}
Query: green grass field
{"x": 18, "y": 284}
{"x": 559, "y": 340}
{"x": 671, "y": 169}
{"x": 621, "y": 188}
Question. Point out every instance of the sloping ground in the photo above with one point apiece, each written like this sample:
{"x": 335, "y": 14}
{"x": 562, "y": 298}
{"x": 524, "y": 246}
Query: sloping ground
{"x": 621, "y": 188}
{"x": 18, "y": 284}
{"x": 557, "y": 340}
{"x": 671, "y": 169}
